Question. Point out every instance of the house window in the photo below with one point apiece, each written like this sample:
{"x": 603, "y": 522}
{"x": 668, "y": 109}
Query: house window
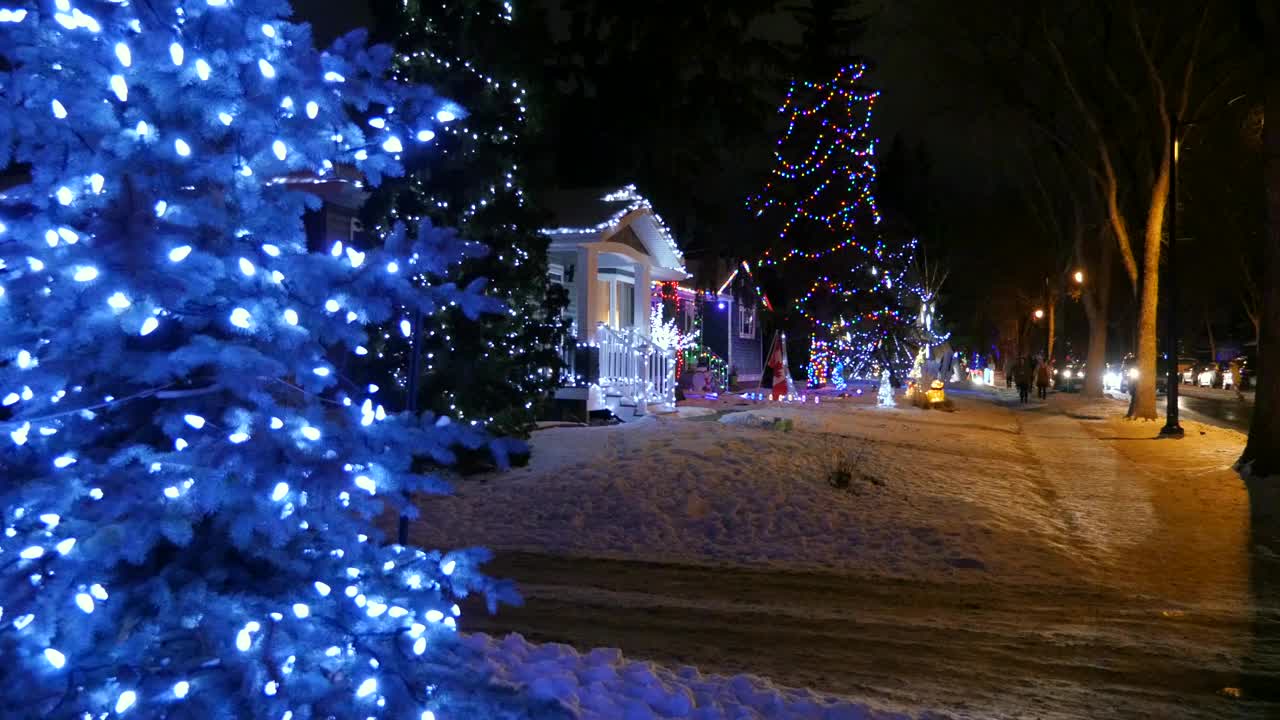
{"x": 555, "y": 272}
{"x": 746, "y": 321}
{"x": 622, "y": 304}
{"x": 617, "y": 287}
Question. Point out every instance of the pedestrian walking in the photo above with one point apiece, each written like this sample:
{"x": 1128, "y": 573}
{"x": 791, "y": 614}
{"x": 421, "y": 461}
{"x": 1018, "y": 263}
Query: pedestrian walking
{"x": 1042, "y": 380}
{"x": 1022, "y": 378}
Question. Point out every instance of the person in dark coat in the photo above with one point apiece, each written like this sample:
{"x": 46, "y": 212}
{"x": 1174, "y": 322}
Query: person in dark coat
{"x": 1022, "y": 378}
{"x": 1042, "y": 380}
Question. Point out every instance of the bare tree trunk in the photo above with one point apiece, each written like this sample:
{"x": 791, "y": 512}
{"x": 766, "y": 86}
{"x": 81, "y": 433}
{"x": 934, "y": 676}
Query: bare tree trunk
{"x": 1097, "y": 308}
{"x": 1096, "y": 361}
{"x": 1262, "y": 454}
{"x": 1144, "y": 399}
{"x": 1053, "y": 318}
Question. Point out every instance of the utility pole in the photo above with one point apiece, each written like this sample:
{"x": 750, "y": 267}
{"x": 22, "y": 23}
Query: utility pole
{"x": 1171, "y": 427}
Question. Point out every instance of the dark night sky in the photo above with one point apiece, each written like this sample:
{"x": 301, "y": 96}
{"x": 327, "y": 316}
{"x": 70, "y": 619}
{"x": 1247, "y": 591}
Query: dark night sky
{"x": 925, "y": 97}
{"x": 922, "y": 96}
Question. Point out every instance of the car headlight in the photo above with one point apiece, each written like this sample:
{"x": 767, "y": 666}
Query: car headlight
{"x": 1111, "y": 379}
{"x": 1133, "y": 373}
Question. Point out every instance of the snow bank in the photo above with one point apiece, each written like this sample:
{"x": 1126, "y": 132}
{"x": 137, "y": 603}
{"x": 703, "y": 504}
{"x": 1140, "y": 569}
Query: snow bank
{"x": 603, "y": 684}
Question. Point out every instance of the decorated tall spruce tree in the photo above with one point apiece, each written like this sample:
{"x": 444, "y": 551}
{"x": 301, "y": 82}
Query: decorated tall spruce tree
{"x": 189, "y": 477}
{"x": 499, "y": 369}
{"x": 855, "y": 293}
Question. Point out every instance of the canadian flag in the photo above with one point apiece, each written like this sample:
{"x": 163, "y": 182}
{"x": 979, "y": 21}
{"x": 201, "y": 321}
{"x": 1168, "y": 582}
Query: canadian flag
{"x": 777, "y": 366}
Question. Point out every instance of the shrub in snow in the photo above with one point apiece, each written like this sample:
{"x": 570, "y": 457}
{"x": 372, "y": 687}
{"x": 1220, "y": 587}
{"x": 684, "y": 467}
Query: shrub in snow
{"x": 191, "y": 474}
{"x": 841, "y": 475}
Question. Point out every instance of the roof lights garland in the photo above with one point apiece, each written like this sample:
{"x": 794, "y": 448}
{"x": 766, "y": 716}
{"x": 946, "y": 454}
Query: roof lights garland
{"x": 634, "y": 201}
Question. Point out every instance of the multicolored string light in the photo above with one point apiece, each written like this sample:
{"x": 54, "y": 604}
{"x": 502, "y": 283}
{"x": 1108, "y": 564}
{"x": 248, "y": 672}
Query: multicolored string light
{"x": 841, "y": 154}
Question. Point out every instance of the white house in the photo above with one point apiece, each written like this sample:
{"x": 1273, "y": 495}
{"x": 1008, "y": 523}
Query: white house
{"x": 608, "y": 249}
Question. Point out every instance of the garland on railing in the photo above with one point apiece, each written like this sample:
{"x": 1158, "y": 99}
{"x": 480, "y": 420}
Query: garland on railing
{"x": 644, "y": 357}
{"x": 696, "y": 354}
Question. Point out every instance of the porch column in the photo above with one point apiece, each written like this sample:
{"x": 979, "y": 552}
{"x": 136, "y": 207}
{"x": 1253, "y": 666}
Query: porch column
{"x": 642, "y": 294}
{"x": 733, "y": 332}
{"x": 584, "y": 284}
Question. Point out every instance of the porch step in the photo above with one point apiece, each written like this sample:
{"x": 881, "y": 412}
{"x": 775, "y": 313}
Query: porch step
{"x": 571, "y": 393}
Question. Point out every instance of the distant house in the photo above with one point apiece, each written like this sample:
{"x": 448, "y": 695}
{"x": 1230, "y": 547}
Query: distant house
{"x": 608, "y": 249}
{"x": 618, "y": 261}
{"x": 342, "y": 193}
{"x": 726, "y": 326}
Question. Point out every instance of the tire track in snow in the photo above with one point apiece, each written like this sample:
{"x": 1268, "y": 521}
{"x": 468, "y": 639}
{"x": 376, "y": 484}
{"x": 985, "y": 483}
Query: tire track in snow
{"x": 967, "y": 650}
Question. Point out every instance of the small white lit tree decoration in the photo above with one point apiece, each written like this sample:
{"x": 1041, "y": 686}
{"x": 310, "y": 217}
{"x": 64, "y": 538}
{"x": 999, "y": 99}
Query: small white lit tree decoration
{"x": 884, "y": 396}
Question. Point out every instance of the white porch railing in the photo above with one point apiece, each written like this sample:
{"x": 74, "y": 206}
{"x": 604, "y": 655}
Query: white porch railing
{"x": 634, "y": 368}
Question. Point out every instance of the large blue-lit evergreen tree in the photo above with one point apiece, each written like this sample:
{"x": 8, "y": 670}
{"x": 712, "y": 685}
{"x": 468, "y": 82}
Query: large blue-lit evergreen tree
{"x": 189, "y": 480}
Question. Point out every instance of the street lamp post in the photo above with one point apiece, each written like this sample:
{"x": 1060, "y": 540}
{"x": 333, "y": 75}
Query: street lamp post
{"x": 1171, "y": 427}
{"x": 1176, "y": 124}
{"x": 1051, "y": 301}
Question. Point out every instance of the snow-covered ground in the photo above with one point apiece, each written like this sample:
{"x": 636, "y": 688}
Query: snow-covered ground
{"x": 602, "y": 684}
{"x": 1050, "y": 560}
{"x": 934, "y": 495}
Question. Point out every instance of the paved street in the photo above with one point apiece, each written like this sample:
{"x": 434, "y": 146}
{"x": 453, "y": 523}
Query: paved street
{"x": 1226, "y": 411}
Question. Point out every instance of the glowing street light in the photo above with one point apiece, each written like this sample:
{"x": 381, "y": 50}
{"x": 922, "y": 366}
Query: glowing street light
{"x": 1039, "y": 314}
{"x": 1079, "y": 276}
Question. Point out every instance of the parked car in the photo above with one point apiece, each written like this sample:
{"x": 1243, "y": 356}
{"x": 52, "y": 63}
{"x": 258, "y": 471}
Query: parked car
{"x": 1207, "y": 376}
{"x": 1128, "y": 371}
{"x": 1186, "y": 370}
{"x": 1070, "y": 378}
{"x": 1127, "y": 374}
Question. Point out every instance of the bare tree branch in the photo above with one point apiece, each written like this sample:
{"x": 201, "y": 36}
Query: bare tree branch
{"x": 1111, "y": 185}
